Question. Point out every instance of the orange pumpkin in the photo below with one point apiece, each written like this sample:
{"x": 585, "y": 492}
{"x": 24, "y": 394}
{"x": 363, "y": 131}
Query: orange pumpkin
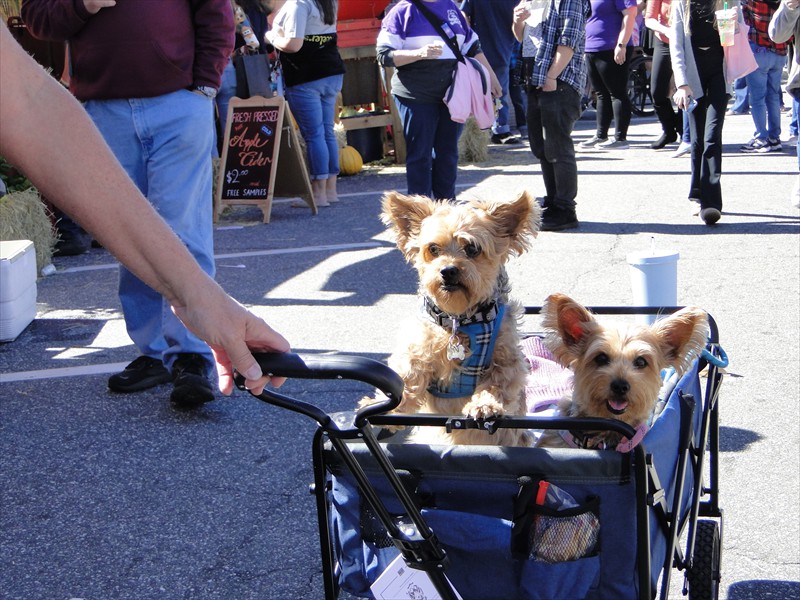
{"x": 350, "y": 161}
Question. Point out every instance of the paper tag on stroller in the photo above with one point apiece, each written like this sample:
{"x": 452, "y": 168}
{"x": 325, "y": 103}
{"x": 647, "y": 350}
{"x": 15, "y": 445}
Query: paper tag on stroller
{"x": 401, "y": 581}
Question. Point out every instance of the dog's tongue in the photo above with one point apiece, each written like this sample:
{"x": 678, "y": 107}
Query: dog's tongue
{"x": 618, "y": 404}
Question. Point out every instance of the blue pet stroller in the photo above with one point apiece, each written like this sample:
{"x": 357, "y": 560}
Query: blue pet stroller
{"x": 500, "y": 523}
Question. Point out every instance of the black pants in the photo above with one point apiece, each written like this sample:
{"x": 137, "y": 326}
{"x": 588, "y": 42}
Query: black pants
{"x": 705, "y": 126}
{"x": 660, "y": 79}
{"x": 551, "y": 117}
{"x": 610, "y": 83}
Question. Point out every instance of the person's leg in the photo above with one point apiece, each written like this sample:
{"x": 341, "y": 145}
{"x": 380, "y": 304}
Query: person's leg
{"x": 305, "y": 102}
{"x": 419, "y": 125}
{"x": 793, "y": 125}
{"x": 332, "y": 87}
{"x": 774, "y": 96}
{"x": 596, "y": 62}
{"x": 535, "y": 119}
{"x": 616, "y": 79}
{"x": 178, "y": 158}
{"x": 740, "y": 104}
{"x": 716, "y": 100}
{"x": 445, "y": 155}
{"x": 660, "y": 77}
{"x": 500, "y": 126}
{"x": 757, "y": 94}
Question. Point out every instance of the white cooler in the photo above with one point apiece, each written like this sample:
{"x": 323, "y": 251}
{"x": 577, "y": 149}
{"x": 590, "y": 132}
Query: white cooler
{"x": 17, "y": 287}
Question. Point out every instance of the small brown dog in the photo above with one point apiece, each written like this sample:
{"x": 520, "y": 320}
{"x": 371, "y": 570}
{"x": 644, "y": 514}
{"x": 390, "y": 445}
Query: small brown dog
{"x": 461, "y": 354}
{"x": 617, "y": 369}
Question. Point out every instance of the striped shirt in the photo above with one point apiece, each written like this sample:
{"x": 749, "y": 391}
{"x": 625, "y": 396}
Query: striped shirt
{"x": 406, "y": 28}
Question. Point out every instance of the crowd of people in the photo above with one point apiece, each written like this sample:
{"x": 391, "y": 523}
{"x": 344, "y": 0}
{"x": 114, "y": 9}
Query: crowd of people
{"x": 148, "y": 81}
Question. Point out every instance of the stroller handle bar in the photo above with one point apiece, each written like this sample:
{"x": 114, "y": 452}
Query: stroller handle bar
{"x": 358, "y": 368}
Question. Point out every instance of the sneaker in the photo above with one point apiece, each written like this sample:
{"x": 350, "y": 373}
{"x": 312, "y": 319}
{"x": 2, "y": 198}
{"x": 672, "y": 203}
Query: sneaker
{"x": 695, "y": 206}
{"x": 505, "y": 139}
{"x": 773, "y": 146}
{"x": 614, "y": 145}
{"x": 591, "y": 143}
{"x": 191, "y": 385}
{"x": 733, "y": 113}
{"x": 710, "y": 215}
{"x": 142, "y": 374}
{"x": 683, "y": 148}
{"x": 559, "y": 219}
{"x": 755, "y": 145}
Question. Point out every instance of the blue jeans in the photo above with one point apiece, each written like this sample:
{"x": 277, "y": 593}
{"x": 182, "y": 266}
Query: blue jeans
{"x": 431, "y": 148}
{"x": 740, "y": 103}
{"x": 551, "y": 117}
{"x": 165, "y": 145}
{"x": 764, "y": 93}
{"x": 313, "y": 105}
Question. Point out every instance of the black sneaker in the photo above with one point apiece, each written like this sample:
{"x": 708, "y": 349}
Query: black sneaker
{"x": 507, "y": 138}
{"x": 192, "y": 387}
{"x": 559, "y": 219}
{"x": 142, "y": 374}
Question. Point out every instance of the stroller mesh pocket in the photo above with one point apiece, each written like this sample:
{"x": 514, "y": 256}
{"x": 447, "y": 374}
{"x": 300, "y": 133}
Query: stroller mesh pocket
{"x": 564, "y": 538}
{"x": 550, "y": 525}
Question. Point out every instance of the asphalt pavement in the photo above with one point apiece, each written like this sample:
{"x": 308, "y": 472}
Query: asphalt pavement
{"x": 106, "y": 496}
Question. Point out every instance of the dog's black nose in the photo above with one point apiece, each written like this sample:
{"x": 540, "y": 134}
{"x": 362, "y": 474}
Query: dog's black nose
{"x": 449, "y": 275}
{"x": 620, "y": 387}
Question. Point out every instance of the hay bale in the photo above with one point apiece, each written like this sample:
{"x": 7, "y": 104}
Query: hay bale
{"x": 23, "y": 216}
{"x": 473, "y": 145}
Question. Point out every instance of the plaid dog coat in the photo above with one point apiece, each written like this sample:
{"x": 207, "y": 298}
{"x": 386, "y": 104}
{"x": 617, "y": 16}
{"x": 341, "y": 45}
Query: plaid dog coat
{"x": 482, "y": 328}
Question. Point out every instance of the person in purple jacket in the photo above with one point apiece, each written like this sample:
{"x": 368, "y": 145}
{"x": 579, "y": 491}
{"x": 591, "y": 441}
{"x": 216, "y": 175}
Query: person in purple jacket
{"x": 609, "y": 30}
{"x": 147, "y": 74}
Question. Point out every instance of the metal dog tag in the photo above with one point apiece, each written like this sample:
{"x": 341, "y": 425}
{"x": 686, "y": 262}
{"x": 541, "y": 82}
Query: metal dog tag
{"x": 455, "y": 351}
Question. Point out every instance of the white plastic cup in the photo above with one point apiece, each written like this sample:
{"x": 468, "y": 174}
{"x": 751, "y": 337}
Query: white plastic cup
{"x": 654, "y": 280}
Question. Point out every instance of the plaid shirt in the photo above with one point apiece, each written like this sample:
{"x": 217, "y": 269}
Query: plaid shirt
{"x": 758, "y": 14}
{"x": 564, "y": 25}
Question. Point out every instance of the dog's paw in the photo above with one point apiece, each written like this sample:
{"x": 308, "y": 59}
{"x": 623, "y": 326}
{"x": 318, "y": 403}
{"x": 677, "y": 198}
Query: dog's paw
{"x": 484, "y": 406}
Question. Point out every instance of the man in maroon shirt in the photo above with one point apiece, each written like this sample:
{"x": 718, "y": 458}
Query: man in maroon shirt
{"x": 147, "y": 73}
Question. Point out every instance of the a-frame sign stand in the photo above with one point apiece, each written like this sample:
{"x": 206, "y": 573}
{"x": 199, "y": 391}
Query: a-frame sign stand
{"x": 259, "y": 133}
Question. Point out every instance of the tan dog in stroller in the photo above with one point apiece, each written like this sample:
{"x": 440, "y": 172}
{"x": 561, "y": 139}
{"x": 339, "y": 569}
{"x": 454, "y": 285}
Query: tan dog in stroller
{"x": 617, "y": 368}
{"x": 461, "y": 354}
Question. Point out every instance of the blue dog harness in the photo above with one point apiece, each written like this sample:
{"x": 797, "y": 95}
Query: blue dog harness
{"x": 482, "y": 328}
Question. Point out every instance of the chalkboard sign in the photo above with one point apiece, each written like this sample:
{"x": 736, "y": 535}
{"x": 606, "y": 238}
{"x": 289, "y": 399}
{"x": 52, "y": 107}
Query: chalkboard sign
{"x": 259, "y": 132}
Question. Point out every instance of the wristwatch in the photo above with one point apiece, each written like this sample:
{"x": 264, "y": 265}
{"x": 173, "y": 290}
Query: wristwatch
{"x": 206, "y": 90}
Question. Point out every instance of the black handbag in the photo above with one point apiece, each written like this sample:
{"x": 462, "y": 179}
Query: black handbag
{"x": 252, "y": 75}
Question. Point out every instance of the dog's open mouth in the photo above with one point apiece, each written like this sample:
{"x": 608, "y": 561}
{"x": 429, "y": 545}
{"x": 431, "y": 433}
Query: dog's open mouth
{"x": 617, "y": 407}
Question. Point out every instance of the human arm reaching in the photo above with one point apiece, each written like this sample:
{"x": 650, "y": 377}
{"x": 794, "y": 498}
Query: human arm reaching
{"x": 46, "y": 133}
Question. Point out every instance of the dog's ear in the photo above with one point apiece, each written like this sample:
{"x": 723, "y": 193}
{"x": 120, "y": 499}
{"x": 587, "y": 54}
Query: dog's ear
{"x": 568, "y": 323}
{"x": 404, "y": 214}
{"x": 519, "y": 220}
{"x": 683, "y": 336}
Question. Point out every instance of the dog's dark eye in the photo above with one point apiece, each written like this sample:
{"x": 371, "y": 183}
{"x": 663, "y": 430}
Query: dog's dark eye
{"x": 601, "y": 360}
{"x": 471, "y": 250}
{"x": 640, "y": 362}
{"x": 434, "y": 250}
